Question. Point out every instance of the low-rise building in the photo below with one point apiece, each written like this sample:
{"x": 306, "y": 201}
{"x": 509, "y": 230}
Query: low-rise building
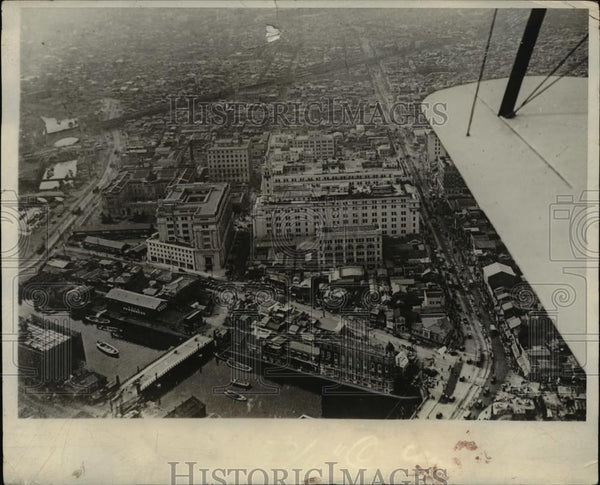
{"x": 435, "y": 329}
{"x": 126, "y": 301}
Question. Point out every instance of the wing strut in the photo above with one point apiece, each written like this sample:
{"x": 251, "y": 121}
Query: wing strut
{"x": 532, "y": 30}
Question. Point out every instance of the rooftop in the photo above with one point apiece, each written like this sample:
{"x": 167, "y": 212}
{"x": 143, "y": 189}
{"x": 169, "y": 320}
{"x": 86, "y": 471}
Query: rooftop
{"x": 201, "y": 199}
{"x": 42, "y": 339}
{"x": 495, "y": 268}
{"x": 55, "y": 126}
{"x": 105, "y": 242}
{"x": 138, "y": 299}
{"x": 354, "y": 229}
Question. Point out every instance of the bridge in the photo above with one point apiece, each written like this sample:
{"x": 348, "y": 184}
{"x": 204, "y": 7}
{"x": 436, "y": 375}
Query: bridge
{"x": 130, "y": 391}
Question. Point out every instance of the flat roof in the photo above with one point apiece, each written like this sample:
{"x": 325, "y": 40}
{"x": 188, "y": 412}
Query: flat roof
{"x": 138, "y": 299}
{"x": 123, "y": 226}
{"x": 105, "y": 242}
{"x": 43, "y": 339}
{"x": 529, "y": 174}
{"x": 354, "y": 228}
{"x": 203, "y": 199}
{"x": 61, "y": 170}
{"x": 54, "y": 126}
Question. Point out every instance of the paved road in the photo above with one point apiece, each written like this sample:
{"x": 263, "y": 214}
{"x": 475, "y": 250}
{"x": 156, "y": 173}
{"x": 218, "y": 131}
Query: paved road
{"x": 87, "y": 201}
{"x": 478, "y": 375}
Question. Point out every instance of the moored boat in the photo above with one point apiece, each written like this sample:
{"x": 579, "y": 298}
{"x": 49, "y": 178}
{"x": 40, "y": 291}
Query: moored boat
{"x": 107, "y": 348}
{"x": 239, "y": 383}
{"x": 238, "y": 366}
{"x": 97, "y": 320}
{"x": 234, "y": 395}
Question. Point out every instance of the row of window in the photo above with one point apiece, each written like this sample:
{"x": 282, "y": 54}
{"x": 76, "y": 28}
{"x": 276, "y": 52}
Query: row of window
{"x": 179, "y": 264}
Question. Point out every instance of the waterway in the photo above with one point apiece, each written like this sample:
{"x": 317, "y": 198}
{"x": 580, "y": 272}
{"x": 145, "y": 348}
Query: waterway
{"x": 281, "y": 394}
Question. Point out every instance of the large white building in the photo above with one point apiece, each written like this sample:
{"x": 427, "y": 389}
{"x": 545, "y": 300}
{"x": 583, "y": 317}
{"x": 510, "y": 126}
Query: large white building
{"x": 229, "y": 161}
{"x": 343, "y": 245}
{"x": 393, "y": 208}
{"x": 194, "y": 227}
{"x": 435, "y": 149}
{"x": 315, "y": 145}
{"x": 286, "y": 179}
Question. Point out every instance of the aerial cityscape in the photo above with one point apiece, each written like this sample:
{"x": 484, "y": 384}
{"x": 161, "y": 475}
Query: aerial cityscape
{"x": 248, "y": 213}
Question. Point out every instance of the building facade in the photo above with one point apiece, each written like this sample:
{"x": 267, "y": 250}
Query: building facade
{"x": 49, "y": 351}
{"x": 392, "y": 208}
{"x": 435, "y": 149}
{"x": 353, "y": 361}
{"x": 345, "y": 245}
{"x": 449, "y": 180}
{"x": 316, "y": 145}
{"x": 195, "y": 227}
{"x": 229, "y": 161}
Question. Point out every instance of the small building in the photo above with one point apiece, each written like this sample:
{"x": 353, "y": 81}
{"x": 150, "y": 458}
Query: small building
{"x": 105, "y": 245}
{"x": 126, "y": 301}
{"x": 433, "y": 298}
{"x": 304, "y": 353}
{"x": 190, "y": 408}
{"x": 498, "y": 275}
{"x": 435, "y": 329}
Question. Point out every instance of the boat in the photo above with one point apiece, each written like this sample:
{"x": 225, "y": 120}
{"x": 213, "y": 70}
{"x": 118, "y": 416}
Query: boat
{"x": 107, "y": 348}
{"x": 238, "y": 366}
{"x": 234, "y": 395}
{"x": 97, "y": 320}
{"x": 220, "y": 357}
{"x": 239, "y": 383}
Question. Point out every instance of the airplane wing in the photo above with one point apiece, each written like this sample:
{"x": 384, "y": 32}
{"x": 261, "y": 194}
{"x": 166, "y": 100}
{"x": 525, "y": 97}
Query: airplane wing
{"x": 531, "y": 177}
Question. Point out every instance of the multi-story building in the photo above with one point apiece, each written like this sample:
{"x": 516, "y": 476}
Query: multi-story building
{"x": 290, "y": 169}
{"x": 229, "y": 161}
{"x": 280, "y": 180}
{"x": 319, "y": 146}
{"x": 194, "y": 227}
{"x": 48, "y": 351}
{"x": 435, "y": 149}
{"x": 352, "y": 360}
{"x": 449, "y": 180}
{"x": 342, "y": 245}
{"x": 394, "y": 208}
{"x": 136, "y": 191}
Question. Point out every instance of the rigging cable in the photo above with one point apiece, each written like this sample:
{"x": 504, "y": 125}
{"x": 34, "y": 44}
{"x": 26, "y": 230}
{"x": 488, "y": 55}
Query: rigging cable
{"x": 487, "y": 47}
{"x": 535, "y": 93}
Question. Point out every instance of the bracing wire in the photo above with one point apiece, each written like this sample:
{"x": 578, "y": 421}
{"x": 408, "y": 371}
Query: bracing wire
{"x": 535, "y": 93}
{"x": 571, "y": 69}
{"x": 487, "y": 48}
